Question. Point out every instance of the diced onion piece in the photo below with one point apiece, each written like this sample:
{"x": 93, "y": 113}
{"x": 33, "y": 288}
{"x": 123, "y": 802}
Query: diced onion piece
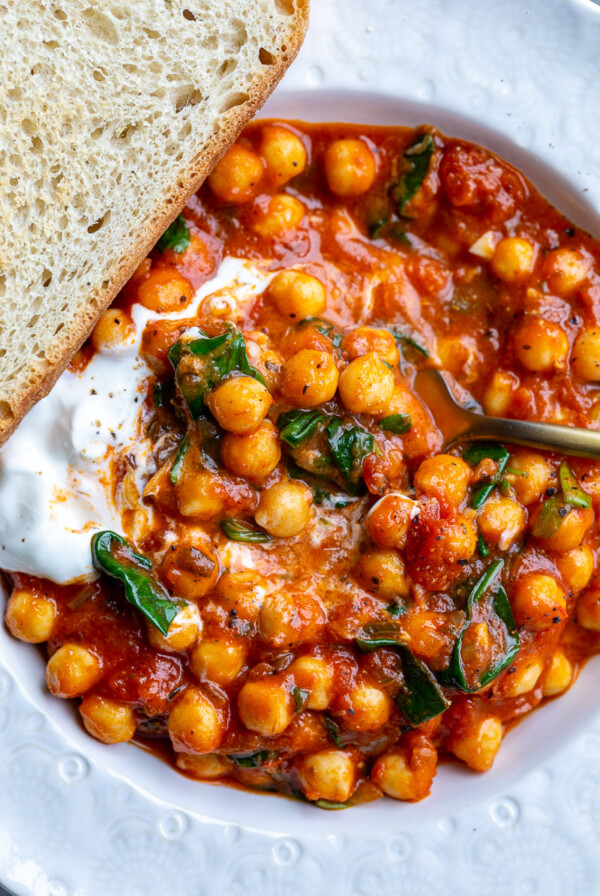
{"x": 485, "y": 246}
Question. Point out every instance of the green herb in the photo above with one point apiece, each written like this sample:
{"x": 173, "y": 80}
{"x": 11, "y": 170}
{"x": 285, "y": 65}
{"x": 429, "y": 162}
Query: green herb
{"x": 349, "y": 446}
{"x": 417, "y": 160}
{"x": 501, "y": 608}
{"x": 300, "y": 697}
{"x": 240, "y": 530}
{"x": 175, "y": 237}
{"x": 333, "y": 731}
{"x": 134, "y": 571}
{"x": 175, "y": 691}
{"x": 375, "y": 228}
{"x": 482, "y": 547}
{"x": 512, "y": 471}
{"x": 396, "y": 423}
{"x": 325, "y": 327}
{"x": 251, "y": 760}
{"x": 572, "y": 491}
{"x": 473, "y": 455}
{"x": 326, "y": 499}
{"x": 405, "y": 341}
{"x": 161, "y": 394}
{"x": 297, "y": 427}
{"x": 378, "y": 634}
{"x": 422, "y": 697}
{"x": 218, "y": 357}
{"x": 181, "y": 452}
{"x": 395, "y": 610}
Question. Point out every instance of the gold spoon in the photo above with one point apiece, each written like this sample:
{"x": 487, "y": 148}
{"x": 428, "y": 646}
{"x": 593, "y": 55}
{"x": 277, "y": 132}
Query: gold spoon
{"x": 459, "y": 425}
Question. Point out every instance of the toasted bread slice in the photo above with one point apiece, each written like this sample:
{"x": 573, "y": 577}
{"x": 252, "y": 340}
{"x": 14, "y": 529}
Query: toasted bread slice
{"x": 112, "y": 113}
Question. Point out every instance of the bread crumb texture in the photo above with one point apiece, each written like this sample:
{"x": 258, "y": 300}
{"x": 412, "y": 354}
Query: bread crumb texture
{"x": 111, "y": 115}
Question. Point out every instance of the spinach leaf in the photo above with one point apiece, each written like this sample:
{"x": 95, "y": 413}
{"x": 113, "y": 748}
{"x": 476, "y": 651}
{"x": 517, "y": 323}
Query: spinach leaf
{"x": 175, "y": 237}
{"x": 405, "y": 341}
{"x": 240, "y": 530}
{"x": 395, "y": 610}
{"x": 300, "y": 697}
{"x": 550, "y": 518}
{"x": 473, "y": 455}
{"x": 396, "y": 423}
{"x": 572, "y": 491}
{"x": 251, "y": 760}
{"x": 218, "y": 357}
{"x": 422, "y": 698}
{"x": 325, "y": 327}
{"x": 482, "y": 547}
{"x": 376, "y": 227}
{"x": 134, "y": 571}
{"x": 327, "y": 499}
{"x": 502, "y": 609}
{"x": 349, "y": 446}
{"x": 297, "y": 427}
{"x": 417, "y": 160}
{"x": 181, "y": 452}
{"x": 333, "y": 731}
{"x": 378, "y": 634}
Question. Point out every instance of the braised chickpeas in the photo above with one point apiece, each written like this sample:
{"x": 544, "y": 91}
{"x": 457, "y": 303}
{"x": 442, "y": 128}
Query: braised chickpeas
{"x": 538, "y": 601}
{"x": 310, "y": 378}
{"x": 514, "y": 259}
{"x": 195, "y": 725}
{"x": 327, "y": 775}
{"x": 237, "y": 176}
{"x": 265, "y": 706}
{"x": 586, "y": 355}
{"x": 114, "y": 332}
{"x": 350, "y": 167}
{"x": 72, "y": 671}
{"x": 253, "y": 455}
{"x": 240, "y": 403}
{"x": 283, "y": 152}
{"x": 164, "y": 290}
{"x": 183, "y": 632}
{"x": 287, "y": 619}
{"x": 407, "y": 773}
{"x": 444, "y": 477}
{"x": 541, "y": 345}
{"x": 366, "y": 385}
{"x": 284, "y": 509}
{"x": 566, "y": 270}
{"x": 107, "y": 720}
{"x": 29, "y": 616}
{"x": 282, "y": 215}
{"x": 297, "y": 294}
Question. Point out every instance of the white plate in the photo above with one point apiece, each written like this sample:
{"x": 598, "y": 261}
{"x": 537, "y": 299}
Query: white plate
{"x": 81, "y": 819}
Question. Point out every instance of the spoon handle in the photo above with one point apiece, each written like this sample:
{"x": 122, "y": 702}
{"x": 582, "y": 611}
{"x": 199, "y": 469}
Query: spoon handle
{"x": 563, "y": 439}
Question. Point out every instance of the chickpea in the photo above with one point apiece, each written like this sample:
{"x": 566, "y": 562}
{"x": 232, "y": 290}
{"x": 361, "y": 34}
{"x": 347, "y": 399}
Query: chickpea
{"x": 265, "y": 706}
{"x": 194, "y": 725}
{"x": 350, "y": 167}
{"x": 253, "y": 455}
{"x": 208, "y": 767}
{"x": 538, "y": 601}
{"x": 114, "y": 332}
{"x": 107, "y": 720}
{"x": 191, "y": 573}
{"x": 287, "y": 619}
{"x": 283, "y": 152}
{"x": 541, "y": 345}
{"x": 383, "y": 573}
{"x": 514, "y": 259}
{"x": 588, "y": 610}
{"x": 200, "y": 495}
{"x": 284, "y": 509}
{"x": 218, "y": 661}
{"x": 424, "y": 633}
{"x": 501, "y": 521}
{"x": 369, "y": 708}
{"x": 559, "y": 676}
{"x": 239, "y": 404}
{"x": 476, "y": 744}
{"x": 282, "y": 215}
{"x": 531, "y": 487}
{"x": 316, "y": 676}
{"x": 165, "y": 290}
{"x": 72, "y": 671}
{"x": 576, "y": 567}
{"x": 444, "y": 477}
{"x": 499, "y": 393}
{"x": 407, "y": 772}
{"x": 565, "y": 270}
{"x": 30, "y": 617}
{"x": 297, "y": 295}
{"x": 242, "y": 592}
{"x": 524, "y": 678}
{"x": 366, "y": 385}
{"x": 364, "y": 340}
{"x": 327, "y": 775}
{"x": 388, "y": 521}
{"x": 571, "y": 531}
{"x": 236, "y": 176}
{"x": 183, "y": 632}
{"x": 310, "y": 378}
{"x": 586, "y": 355}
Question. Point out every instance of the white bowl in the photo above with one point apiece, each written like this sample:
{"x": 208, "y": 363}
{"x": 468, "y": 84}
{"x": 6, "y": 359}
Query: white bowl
{"x": 77, "y": 817}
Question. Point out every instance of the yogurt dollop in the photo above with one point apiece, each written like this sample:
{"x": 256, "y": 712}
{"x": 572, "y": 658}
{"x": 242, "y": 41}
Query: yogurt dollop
{"x": 55, "y": 470}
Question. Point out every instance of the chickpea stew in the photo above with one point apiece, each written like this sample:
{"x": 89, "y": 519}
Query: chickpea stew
{"x": 308, "y": 595}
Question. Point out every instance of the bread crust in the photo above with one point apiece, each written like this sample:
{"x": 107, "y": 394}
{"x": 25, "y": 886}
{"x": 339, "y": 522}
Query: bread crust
{"x": 76, "y": 331}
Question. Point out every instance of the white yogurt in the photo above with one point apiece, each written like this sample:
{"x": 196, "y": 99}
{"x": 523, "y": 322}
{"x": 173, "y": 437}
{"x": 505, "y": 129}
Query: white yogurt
{"x": 55, "y": 470}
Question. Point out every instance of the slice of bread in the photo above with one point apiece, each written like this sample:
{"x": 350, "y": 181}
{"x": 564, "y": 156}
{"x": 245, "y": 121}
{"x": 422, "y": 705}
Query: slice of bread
{"x": 112, "y": 113}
